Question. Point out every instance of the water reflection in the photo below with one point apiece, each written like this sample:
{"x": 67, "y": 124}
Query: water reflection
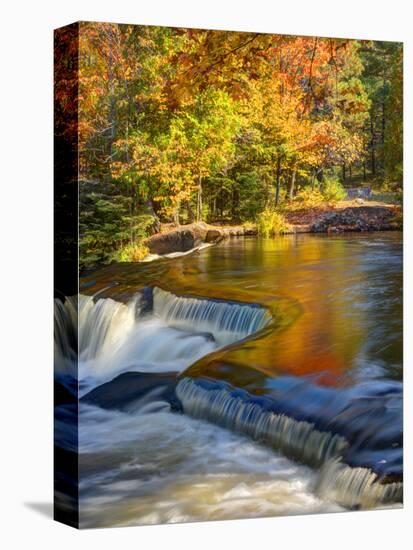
{"x": 349, "y": 290}
{"x": 338, "y": 299}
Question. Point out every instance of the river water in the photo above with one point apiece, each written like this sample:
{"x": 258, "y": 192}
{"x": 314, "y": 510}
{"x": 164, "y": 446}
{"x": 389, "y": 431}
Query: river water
{"x": 324, "y": 310}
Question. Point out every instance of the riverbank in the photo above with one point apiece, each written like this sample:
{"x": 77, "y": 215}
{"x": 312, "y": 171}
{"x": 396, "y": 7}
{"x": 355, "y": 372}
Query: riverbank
{"x": 344, "y": 217}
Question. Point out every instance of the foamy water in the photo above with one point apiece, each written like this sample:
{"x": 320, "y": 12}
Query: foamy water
{"x": 153, "y": 465}
{"x": 162, "y": 467}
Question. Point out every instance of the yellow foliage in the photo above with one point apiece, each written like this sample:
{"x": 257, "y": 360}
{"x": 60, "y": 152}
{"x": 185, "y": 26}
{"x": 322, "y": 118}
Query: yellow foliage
{"x": 271, "y": 223}
{"x": 132, "y": 253}
{"x": 307, "y": 198}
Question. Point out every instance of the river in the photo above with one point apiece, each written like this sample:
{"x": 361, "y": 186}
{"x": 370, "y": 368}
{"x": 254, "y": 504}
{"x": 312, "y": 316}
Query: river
{"x": 312, "y": 321}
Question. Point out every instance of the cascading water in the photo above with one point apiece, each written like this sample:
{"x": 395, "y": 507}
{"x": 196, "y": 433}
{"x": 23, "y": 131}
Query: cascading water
{"x": 65, "y": 335}
{"x": 355, "y": 487}
{"x": 115, "y": 337}
{"x": 147, "y": 450}
{"x": 161, "y": 467}
{"x": 104, "y": 325}
{"x": 297, "y": 440}
{"x": 238, "y": 411}
{"x": 227, "y": 322}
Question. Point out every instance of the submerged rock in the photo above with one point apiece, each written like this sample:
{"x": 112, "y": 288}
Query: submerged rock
{"x": 125, "y": 390}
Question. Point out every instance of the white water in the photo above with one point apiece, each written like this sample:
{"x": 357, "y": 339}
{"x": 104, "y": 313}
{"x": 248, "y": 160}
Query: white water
{"x": 299, "y": 440}
{"x": 162, "y": 467}
{"x": 152, "y": 257}
{"x": 356, "y": 486}
{"x": 155, "y": 466}
{"x": 338, "y": 482}
{"x": 227, "y": 322}
{"x": 151, "y": 465}
{"x": 115, "y": 337}
{"x": 65, "y": 335}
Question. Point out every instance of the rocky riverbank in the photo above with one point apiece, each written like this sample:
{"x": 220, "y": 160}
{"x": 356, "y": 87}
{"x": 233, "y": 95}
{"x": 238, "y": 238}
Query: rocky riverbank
{"x": 341, "y": 219}
{"x": 354, "y": 218}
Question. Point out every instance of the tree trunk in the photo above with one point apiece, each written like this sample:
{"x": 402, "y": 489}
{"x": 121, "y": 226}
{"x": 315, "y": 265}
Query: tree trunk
{"x": 156, "y": 225}
{"x": 199, "y": 201}
{"x": 112, "y": 130}
{"x": 234, "y": 204}
{"x": 190, "y": 212}
{"x": 292, "y": 184}
{"x": 364, "y": 172}
{"x": 344, "y": 173}
{"x": 214, "y": 208}
{"x": 176, "y": 214}
{"x": 350, "y": 169}
{"x": 278, "y": 182}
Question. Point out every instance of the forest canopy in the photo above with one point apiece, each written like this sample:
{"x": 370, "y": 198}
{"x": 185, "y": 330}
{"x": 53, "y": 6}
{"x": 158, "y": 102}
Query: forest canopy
{"x": 182, "y": 125}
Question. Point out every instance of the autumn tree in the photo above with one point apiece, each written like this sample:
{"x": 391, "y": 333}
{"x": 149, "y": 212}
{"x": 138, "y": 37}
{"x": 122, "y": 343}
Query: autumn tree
{"x": 393, "y": 139}
{"x": 183, "y": 124}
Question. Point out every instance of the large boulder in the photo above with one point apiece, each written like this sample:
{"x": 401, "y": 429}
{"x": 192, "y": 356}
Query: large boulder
{"x": 179, "y": 240}
{"x": 182, "y": 239}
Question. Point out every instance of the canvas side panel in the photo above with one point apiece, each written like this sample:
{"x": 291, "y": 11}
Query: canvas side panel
{"x": 66, "y": 476}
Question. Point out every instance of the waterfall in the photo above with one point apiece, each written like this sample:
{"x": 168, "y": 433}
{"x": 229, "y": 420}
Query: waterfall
{"x": 228, "y": 322}
{"x": 145, "y": 334}
{"x": 65, "y": 334}
{"x": 297, "y": 440}
{"x": 169, "y": 333}
{"x": 104, "y": 324}
{"x": 355, "y": 487}
{"x": 236, "y": 410}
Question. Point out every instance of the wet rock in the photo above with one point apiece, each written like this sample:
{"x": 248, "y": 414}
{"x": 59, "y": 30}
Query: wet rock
{"x": 214, "y": 236}
{"x": 126, "y": 389}
{"x": 184, "y": 238}
{"x": 179, "y": 240}
{"x": 146, "y": 304}
{"x": 65, "y": 390}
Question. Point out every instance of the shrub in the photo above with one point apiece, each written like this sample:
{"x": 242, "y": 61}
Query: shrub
{"x": 271, "y": 223}
{"x": 132, "y": 253}
{"x": 332, "y": 190}
{"x": 308, "y": 198}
